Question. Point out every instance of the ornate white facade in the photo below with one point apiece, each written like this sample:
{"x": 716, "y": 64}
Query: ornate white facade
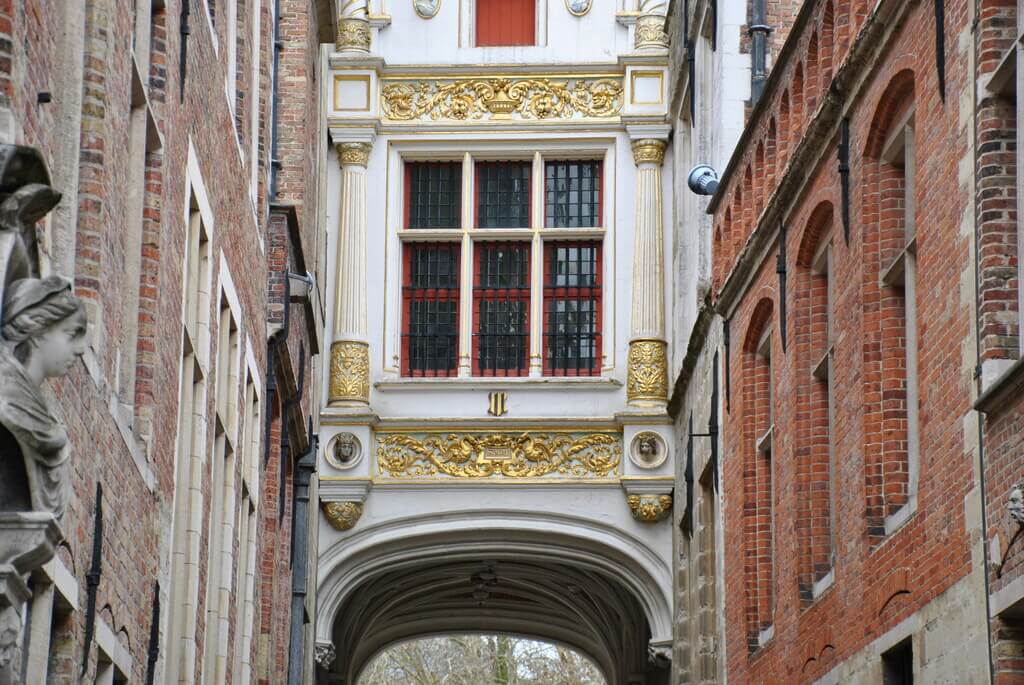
{"x": 536, "y": 503}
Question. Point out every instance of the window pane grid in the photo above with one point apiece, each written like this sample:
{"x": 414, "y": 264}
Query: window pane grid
{"x": 503, "y": 194}
{"x": 431, "y": 309}
{"x": 501, "y": 304}
{"x": 572, "y": 194}
{"x": 433, "y": 194}
{"x": 572, "y": 309}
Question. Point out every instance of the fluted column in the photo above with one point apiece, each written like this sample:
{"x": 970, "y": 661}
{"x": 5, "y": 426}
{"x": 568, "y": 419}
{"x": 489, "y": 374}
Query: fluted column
{"x": 350, "y": 352}
{"x": 353, "y": 27}
{"x": 647, "y": 379}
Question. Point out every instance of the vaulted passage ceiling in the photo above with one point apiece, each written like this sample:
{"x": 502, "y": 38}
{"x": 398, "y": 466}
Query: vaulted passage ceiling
{"x": 582, "y": 608}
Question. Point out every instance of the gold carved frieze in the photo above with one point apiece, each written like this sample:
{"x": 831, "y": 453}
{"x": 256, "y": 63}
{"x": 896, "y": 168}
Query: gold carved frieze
{"x": 647, "y": 373}
{"x": 350, "y": 372}
{"x": 528, "y": 454}
{"x": 475, "y": 99}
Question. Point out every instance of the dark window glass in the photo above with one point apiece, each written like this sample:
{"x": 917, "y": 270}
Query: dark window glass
{"x": 431, "y": 309}
{"x": 572, "y": 309}
{"x": 572, "y": 194}
{"x": 433, "y": 194}
{"x": 898, "y": 665}
{"x": 501, "y": 305}
{"x": 503, "y": 194}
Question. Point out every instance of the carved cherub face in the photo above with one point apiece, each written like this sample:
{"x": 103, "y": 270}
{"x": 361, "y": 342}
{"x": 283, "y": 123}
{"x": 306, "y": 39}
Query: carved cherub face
{"x": 57, "y": 348}
{"x": 1015, "y": 505}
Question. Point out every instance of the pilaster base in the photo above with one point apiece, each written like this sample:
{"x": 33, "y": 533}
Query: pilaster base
{"x": 647, "y": 373}
{"x": 350, "y": 373}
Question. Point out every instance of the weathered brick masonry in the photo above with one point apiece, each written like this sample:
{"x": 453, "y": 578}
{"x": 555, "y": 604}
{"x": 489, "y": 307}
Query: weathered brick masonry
{"x": 853, "y": 532}
{"x": 66, "y": 88}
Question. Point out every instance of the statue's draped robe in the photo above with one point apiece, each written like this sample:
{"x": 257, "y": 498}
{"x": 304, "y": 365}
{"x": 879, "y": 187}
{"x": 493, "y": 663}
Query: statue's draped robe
{"x": 42, "y": 438}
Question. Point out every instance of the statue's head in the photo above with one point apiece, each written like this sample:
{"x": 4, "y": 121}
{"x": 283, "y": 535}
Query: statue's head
{"x": 1015, "y": 503}
{"x": 45, "y": 323}
{"x": 647, "y": 446}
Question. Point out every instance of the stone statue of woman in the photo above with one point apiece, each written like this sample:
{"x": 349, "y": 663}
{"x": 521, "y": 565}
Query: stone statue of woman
{"x": 43, "y": 329}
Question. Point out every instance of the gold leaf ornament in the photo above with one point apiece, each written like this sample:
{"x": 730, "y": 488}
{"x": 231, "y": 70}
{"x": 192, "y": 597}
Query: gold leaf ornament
{"x": 649, "y": 508}
{"x": 350, "y": 371}
{"x": 499, "y": 455}
{"x": 647, "y": 373}
{"x": 500, "y": 98}
{"x": 342, "y": 515}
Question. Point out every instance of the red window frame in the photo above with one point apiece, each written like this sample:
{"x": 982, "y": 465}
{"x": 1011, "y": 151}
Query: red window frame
{"x": 554, "y": 293}
{"x": 506, "y": 22}
{"x": 521, "y": 295}
{"x": 411, "y": 294}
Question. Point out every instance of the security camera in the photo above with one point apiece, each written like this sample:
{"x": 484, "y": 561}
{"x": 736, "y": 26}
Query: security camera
{"x": 703, "y": 180}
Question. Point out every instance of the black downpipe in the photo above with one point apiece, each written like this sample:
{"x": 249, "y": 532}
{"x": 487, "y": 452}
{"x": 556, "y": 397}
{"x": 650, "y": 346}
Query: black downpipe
{"x": 844, "y": 175}
{"x": 713, "y": 421}
{"x": 154, "y": 636}
{"x": 268, "y": 421}
{"x": 725, "y": 341}
{"x": 92, "y": 578}
{"x": 303, "y": 474}
{"x": 183, "y": 56}
{"x": 758, "y": 31}
{"x": 780, "y": 268}
{"x": 275, "y": 163}
{"x": 691, "y": 66}
{"x": 940, "y": 46}
{"x": 687, "y": 523}
{"x": 714, "y": 25}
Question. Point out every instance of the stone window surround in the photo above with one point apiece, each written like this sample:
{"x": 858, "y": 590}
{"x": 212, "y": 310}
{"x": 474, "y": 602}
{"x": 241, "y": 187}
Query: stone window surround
{"x": 899, "y": 150}
{"x": 538, "y": 150}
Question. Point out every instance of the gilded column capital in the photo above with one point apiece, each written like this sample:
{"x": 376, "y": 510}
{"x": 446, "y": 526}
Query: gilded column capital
{"x": 649, "y": 508}
{"x": 649, "y": 150}
{"x": 350, "y": 372}
{"x": 342, "y": 515}
{"x": 354, "y": 154}
{"x": 647, "y": 371}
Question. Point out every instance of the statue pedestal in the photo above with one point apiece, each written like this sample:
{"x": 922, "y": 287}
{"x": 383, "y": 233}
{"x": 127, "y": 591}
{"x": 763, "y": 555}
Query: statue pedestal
{"x": 27, "y": 541}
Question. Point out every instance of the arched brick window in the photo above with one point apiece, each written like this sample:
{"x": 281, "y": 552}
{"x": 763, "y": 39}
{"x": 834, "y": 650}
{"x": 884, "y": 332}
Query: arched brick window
{"x": 828, "y": 44}
{"x": 758, "y": 480}
{"x": 785, "y": 130}
{"x": 889, "y": 294}
{"x": 798, "y": 101}
{"x": 815, "y": 397}
{"x": 812, "y": 88}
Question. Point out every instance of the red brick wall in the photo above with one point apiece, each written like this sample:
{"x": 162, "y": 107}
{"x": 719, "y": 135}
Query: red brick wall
{"x": 879, "y": 581}
{"x": 137, "y": 520}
